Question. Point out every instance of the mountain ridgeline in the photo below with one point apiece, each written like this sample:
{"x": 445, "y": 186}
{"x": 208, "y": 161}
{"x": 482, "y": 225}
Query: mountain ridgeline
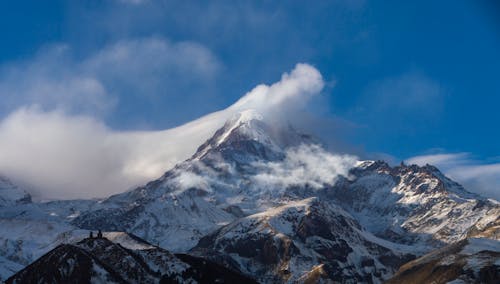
{"x": 262, "y": 202}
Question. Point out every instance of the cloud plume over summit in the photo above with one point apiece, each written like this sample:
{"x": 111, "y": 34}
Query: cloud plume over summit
{"x": 76, "y": 156}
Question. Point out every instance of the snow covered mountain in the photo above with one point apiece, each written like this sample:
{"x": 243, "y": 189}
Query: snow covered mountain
{"x": 413, "y": 205}
{"x": 264, "y": 199}
{"x": 211, "y": 189}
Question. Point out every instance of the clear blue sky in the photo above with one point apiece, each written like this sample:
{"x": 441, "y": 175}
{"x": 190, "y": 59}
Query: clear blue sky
{"x": 408, "y": 77}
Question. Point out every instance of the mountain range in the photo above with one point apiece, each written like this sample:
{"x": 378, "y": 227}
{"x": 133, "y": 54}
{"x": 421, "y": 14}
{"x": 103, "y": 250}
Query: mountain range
{"x": 260, "y": 201}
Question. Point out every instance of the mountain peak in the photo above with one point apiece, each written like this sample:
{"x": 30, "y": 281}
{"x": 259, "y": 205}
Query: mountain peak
{"x": 249, "y": 134}
{"x": 246, "y": 116}
{"x": 248, "y": 124}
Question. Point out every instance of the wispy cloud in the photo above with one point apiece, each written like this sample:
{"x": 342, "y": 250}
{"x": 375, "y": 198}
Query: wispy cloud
{"x": 148, "y": 66}
{"x": 307, "y": 166}
{"x": 69, "y": 156}
{"x": 476, "y": 176}
{"x": 151, "y": 70}
{"x": 304, "y": 165}
{"x": 52, "y": 79}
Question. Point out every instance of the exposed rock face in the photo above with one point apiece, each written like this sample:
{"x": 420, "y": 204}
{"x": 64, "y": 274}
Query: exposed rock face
{"x": 288, "y": 242}
{"x": 98, "y": 260}
{"x": 468, "y": 261}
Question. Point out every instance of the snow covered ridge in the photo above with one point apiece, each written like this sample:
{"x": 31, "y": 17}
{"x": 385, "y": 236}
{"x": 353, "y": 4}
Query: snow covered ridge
{"x": 271, "y": 202}
{"x": 416, "y": 205}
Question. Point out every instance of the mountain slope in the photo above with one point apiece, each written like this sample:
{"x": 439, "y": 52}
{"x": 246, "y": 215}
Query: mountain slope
{"x": 289, "y": 242}
{"x": 99, "y": 260}
{"x": 412, "y": 205}
{"x": 30, "y": 230}
{"x": 472, "y": 260}
{"x": 66, "y": 263}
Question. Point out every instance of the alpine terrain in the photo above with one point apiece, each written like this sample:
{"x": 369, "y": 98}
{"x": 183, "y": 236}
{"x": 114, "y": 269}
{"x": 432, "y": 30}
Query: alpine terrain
{"x": 259, "y": 201}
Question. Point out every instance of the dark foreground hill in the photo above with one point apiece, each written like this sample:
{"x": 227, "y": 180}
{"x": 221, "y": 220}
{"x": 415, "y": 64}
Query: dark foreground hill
{"x": 99, "y": 260}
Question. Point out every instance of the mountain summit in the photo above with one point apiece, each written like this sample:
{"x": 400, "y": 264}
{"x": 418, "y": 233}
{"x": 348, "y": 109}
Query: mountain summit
{"x": 247, "y": 137}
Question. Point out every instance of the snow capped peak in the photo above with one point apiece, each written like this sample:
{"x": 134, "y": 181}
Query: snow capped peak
{"x": 249, "y": 134}
{"x": 269, "y": 201}
{"x": 242, "y": 120}
{"x": 247, "y": 115}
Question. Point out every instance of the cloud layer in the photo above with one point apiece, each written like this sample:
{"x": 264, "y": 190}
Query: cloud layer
{"x": 77, "y": 156}
{"x": 474, "y": 175}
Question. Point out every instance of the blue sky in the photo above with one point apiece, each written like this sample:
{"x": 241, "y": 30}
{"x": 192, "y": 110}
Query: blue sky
{"x": 403, "y": 79}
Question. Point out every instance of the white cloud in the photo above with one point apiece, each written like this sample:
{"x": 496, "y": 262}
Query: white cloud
{"x": 474, "y": 175}
{"x": 73, "y": 156}
{"x": 143, "y": 67}
{"x": 150, "y": 66}
{"x": 51, "y": 79}
{"x": 305, "y": 165}
{"x": 293, "y": 91}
